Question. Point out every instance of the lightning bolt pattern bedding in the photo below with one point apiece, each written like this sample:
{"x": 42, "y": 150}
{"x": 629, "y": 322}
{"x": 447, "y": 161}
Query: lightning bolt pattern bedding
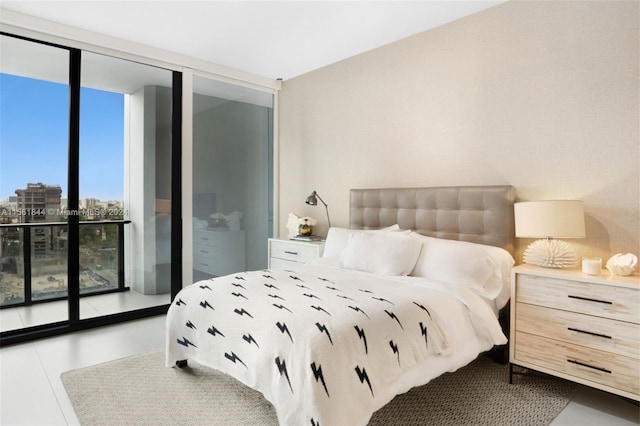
{"x": 324, "y": 345}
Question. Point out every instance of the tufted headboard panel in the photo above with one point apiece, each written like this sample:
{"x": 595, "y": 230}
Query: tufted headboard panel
{"x": 479, "y": 214}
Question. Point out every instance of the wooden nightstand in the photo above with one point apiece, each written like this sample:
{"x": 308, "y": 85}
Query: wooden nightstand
{"x": 579, "y": 327}
{"x": 285, "y": 253}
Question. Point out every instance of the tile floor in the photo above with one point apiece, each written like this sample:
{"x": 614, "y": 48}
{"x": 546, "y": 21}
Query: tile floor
{"x": 31, "y": 392}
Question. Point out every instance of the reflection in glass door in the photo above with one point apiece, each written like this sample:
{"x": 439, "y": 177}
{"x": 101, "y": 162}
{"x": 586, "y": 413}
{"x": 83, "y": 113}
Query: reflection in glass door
{"x": 232, "y": 178}
{"x": 125, "y": 184}
{"x": 34, "y": 134}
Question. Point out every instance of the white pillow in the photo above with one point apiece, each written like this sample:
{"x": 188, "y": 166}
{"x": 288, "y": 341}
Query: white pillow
{"x": 337, "y": 239}
{"x": 384, "y": 253}
{"x": 484, "y": 269}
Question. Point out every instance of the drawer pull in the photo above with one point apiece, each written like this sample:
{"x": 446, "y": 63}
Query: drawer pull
{"x": 590, "y": 300}
{"x": 604, "y": 370}
{"x": 577, "y": 330}
{"x": 295, "y": 253}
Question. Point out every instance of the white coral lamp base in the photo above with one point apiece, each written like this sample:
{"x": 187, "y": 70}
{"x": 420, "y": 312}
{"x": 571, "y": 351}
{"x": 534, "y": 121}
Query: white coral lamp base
{"x": 550, "y": 254}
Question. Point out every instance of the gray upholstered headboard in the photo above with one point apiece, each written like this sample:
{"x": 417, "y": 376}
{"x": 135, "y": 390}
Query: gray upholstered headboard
{"x": 479, "y": 214}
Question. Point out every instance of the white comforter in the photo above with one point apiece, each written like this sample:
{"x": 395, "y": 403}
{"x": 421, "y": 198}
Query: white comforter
{"x": 324, "y": 345}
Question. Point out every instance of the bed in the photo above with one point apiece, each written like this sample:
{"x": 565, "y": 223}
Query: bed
{"x": 411, "y": 290}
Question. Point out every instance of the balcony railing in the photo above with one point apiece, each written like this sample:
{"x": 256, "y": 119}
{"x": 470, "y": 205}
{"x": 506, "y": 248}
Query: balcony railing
{"x": 33, "y": 261}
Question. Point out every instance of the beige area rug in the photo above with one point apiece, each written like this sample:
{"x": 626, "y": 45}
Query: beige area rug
{"x": 139, "y": 390}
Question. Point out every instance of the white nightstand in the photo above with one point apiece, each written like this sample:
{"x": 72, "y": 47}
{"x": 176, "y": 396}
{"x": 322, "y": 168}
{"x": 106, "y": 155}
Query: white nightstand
{"x": 579, "y": 327}
{"x": 285, "y": 253}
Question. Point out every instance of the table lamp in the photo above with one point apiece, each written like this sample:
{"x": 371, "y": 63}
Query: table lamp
{"x": 550, "y": 220}
{"x": 312, "y": 200}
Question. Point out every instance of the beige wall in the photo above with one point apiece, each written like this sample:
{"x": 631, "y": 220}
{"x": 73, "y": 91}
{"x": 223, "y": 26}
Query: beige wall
{"x": 540, "y": 95}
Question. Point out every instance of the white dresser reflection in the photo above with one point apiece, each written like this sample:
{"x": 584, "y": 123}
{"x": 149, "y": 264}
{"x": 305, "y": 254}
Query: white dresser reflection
{"x": 219, "y": 252}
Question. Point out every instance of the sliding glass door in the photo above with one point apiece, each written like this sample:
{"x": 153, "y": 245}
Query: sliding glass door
{"x": 87, "y": 221}
{"x": 232, "y": 178}
{"x": 124, "y": 184}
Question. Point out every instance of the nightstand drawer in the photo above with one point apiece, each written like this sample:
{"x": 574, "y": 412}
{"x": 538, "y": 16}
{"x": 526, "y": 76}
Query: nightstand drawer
{"x": 294, "y": 252}
{"x": 618, "y": 303}
{"x": 600, "y": 367}
{"x": 282, "y": 263}
{"x": 595, "y": 332}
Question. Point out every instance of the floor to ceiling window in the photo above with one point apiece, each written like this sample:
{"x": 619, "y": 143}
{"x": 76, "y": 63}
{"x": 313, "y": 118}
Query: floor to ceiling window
{"x": 86, "y": 186}
{"x": 34, "y": 134}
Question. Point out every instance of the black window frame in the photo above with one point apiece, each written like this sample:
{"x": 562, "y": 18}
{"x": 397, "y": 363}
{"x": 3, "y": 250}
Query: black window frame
{"x": 73, "y": 322}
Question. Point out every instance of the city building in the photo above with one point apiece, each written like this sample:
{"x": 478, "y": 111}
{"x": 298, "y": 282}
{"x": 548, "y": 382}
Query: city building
{"x": 39, "y": 202}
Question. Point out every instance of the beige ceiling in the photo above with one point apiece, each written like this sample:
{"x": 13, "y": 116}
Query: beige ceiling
{"x": 273, "y": 39}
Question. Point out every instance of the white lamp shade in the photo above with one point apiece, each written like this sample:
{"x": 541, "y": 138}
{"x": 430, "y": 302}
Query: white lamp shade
{"x": 544, "y": 219}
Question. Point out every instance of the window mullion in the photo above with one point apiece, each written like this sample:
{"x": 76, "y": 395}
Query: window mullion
{"x": 73, "y": 191}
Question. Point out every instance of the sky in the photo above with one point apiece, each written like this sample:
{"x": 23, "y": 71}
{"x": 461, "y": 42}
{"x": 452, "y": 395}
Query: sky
{"x": 34, "y": 138}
